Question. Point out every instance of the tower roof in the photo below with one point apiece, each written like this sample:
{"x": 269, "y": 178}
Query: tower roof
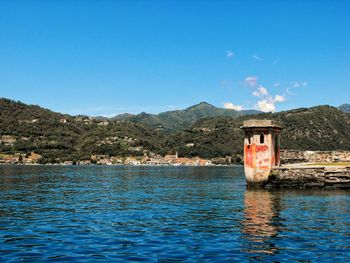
{"x": 261, "y": 124}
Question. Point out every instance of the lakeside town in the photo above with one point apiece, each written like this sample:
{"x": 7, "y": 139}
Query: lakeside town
{"x": 167, "y": 160}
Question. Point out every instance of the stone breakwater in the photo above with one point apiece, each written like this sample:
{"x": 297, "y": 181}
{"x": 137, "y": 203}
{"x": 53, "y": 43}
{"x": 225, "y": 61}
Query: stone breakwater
{"x": 309, "y": 177}
{"x": 293, "y": 156}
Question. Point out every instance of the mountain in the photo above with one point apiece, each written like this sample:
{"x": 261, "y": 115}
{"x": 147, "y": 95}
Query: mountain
{"x": 317, "y": 128}
{"x": 171, "y": 121}
{"x": 345, "y": 108}
{"x": 249, "y": 112}
{"x": 123, "y": 116}
{"x": 58, "y": 137}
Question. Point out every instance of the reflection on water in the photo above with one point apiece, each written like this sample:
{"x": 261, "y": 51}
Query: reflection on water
{"x": 261, "y": 220}
{"x": 163, "y": 214}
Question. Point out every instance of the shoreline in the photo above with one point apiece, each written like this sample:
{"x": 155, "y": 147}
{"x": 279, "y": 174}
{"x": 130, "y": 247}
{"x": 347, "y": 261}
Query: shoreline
{"x": 129, "y": 165}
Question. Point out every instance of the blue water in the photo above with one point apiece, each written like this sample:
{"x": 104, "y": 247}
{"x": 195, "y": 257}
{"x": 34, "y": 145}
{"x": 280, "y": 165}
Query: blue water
{"x": 164, "y": 214}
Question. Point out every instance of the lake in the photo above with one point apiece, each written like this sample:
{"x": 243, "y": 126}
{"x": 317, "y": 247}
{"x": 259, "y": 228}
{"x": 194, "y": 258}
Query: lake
{"x": 164, "y": 214}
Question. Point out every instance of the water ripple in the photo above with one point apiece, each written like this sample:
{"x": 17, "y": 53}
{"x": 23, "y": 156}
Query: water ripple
{"x": 164, "y": 214}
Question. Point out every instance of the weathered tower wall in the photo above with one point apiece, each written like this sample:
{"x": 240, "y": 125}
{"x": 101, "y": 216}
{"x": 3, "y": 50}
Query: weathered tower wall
{"x": 261, "y": 150}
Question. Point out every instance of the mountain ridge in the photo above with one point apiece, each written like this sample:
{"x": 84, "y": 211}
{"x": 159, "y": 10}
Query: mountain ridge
{"x": 59, "y": 137}
{"x": 171, "y": 121}
{"x": 316, "y": 128}
{"x": 345, "y": 107}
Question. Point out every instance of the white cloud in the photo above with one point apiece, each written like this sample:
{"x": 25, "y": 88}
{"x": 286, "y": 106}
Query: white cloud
{"x": 267, "y": 102}
{"x": 298, "y": 84}
{"x": 257, "y": 57}
{"x": 279, "y": 98}
{"x": 295, "y": 85}
{"x": 251, "y": 81}
{"x": 261, "y": 91}
{"x": 266, "y": 106}
{"x": 230, "y": 54}
{"x": 289, "y": 92}
{"x": 231, "y": 106}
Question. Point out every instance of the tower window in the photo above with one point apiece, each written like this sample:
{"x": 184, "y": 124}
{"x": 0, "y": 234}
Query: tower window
{"x": 262, "y": 138}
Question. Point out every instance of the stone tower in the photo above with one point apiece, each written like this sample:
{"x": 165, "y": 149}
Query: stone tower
{"x": 261, "y": 149}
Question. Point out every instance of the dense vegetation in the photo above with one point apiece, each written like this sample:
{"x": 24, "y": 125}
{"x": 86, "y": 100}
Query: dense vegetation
{"x": 58, "y": 137}
{"x": 172, "y": 121}
{"x": 318, "y": 128}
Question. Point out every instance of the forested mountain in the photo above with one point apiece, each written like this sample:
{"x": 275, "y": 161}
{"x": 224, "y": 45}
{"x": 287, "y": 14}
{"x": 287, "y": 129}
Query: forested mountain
{"x": 317, "y": 128}
{"x": 27, "y": 128}
{"x": 345, "y": 108}
{"x": 58, "y": 137}
{"x": 182, "y": 119}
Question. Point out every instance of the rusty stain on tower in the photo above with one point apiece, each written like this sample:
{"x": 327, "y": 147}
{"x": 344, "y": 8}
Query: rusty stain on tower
{"x": 261, "y": 149}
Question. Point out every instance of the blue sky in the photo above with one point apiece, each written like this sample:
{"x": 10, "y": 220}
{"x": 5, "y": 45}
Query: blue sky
{"x": 110, "y": 57}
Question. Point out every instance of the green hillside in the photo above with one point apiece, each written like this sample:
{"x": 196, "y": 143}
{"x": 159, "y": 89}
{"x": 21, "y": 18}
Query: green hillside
{"x": 318, "y": 128}
{"x": 171, "y": 121}
{"x": 60, "y": 137}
